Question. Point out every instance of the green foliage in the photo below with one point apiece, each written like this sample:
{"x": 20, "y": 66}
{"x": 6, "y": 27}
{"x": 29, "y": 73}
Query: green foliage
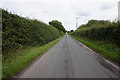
{"x": 108, "y": 50}
{"x": 19, "y": 32}
{"x": 101, "y": 31}
{"x": 94, "y": 23}
{"x": 58, "y": 25}
{"x": 15, "y": 62}
{"x": 102, "y": 36}
{"x": 70, "y": 31}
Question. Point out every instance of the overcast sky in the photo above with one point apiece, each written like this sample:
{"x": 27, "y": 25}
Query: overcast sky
{"x": 64, "y": 11}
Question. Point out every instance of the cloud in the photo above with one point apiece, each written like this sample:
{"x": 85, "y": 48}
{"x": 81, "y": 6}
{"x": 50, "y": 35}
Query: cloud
{"x": 63, "y": 10}
{"x": 106, "y": 6}
{"x": 81, "y": 13}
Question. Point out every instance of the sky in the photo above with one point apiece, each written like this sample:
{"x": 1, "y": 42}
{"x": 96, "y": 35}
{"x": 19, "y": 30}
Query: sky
{"x": 64, "y": 11}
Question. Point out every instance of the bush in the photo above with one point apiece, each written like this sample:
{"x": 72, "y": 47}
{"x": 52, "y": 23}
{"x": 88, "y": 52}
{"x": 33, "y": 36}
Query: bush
{"x": 19, "y": 32}
{"x": 108, "y": 32}
{"x": 57, "y": 25}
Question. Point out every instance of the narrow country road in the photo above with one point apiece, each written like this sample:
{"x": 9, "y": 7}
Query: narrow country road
{"x": 68, "y": 59}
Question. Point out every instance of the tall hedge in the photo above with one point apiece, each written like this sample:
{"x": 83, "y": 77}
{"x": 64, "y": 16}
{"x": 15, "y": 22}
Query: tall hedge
{"x": 19, "y": 32}
{"x": 109, "y": 32}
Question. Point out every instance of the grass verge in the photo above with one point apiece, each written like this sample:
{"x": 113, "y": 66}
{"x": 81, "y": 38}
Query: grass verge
{"x": 108, "y": 50}
{"x": 0, "y": 72}
{"x": 18, "y": 60}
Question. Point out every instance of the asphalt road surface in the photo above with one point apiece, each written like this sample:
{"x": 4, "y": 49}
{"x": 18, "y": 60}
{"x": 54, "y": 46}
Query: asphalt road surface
{"x": 68, "y": 59}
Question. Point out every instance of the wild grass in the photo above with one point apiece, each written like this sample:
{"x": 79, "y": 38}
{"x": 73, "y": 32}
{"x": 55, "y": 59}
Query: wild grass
{"x": 108, "y": 50}
{"x": 0, "y": 66}
{"x": 15, "y": 62}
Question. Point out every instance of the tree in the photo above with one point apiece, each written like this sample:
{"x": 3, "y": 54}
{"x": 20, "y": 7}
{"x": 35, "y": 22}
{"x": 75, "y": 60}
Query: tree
{"x": 71, "y": 30}
{"x": 58, "y": 25}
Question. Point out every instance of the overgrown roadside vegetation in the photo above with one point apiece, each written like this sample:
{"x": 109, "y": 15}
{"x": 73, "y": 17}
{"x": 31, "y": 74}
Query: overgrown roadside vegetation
{"x": 19, "y": 32}
{"x": 108, "y": 50}
{"x": 15, "y": 62}
{"x": 23, "y": 40}
{"x": 101, "y": 36}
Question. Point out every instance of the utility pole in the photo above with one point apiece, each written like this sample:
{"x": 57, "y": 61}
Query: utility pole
{"x": 77, "y": 22}
{"x": 119, "y": 11}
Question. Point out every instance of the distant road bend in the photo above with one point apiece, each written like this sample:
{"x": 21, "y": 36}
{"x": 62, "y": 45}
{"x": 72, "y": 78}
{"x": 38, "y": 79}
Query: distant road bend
{"x": 69, "y": 59}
